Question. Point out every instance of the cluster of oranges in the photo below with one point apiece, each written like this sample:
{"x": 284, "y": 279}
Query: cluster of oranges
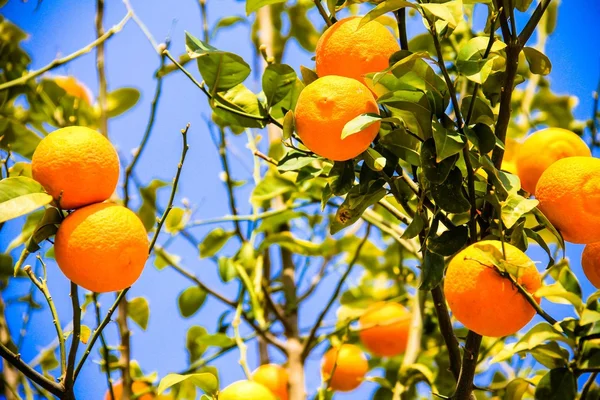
{"x": 100, "y": 246}
{"x": 557, "y": 166}
{"x": 344, "y": 54}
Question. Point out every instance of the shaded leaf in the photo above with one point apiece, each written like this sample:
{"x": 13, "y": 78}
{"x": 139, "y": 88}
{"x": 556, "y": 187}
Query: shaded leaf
{"x": 139, "y": 311}
{"x": 449, "y": 242}
{"x": 539, "y": 63}
{"x": 449, "y": 195}
{"x": 432, "y": 271}
{"x": 277, "y": 81}
{"x": 557, "y": 384}
{"x": 214, "y": 241}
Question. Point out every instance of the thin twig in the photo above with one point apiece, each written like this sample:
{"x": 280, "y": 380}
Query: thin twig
{"x": 201, "y": 363}
{"x": 76, "y": 337}
{"x": 60, "y": 61}
{"x": 533, "y": 21}
{"x": 43, "y": 287}
{"x": 464, "y": 388}
{"x": 143, "y": 28}
{"x": 98, "y": 331}
{"x": 102, "y": 87}
{"x": 229, "y": 183}
{"x": 216, "y": 103}
{"x": 588, "y": 385}
{"x": 138, "y": 153}
{"x": 323, "y": 12}
{"x": 105, "y": 351}
{"x": 401, "y": 19}
{"x": 336, "y": 292}
{"x": 15, "y": 360}
{"x": 204, "y": 16}
{"x": 445, "y": 324}
{"x": 239, "y": 342}
{"x": 248, "y": 218}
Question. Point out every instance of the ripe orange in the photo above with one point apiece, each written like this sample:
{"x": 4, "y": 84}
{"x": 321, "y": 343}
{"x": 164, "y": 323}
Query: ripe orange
{"x": 102, "y": 247}
{"x": 384, "y": 329}
{"x": 350, "y": 364}
{"x": 74, "y": 88}
{"x": 484, "y": 301}
{"x": 590, "y": 261}
{"x": 347, "y": 50}
{"x": 511, "y": 151}
{"x": 137, "y": 387}
{"x": 78, "y": 161}
{"x": 569, "y": 195}
{"x": 246, "y": 390}
{"x": 542, "y": 149}
{"x": 323, "y": 109}
{"x": 274, "y": 377}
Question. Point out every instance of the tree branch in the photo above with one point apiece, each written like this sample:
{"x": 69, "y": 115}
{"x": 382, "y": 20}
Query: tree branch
{"x": 533, "y": 21}
{"x": 60, "y": 61}
{"x": 14, "y": 359}
{"x": 76, "y": 337}
{"x": 311, "y": 336}
{"x": 43, "y": 287}
{"x": 401, "y": 19}
{"x": 222, "y": 147}
{"x": 102, "y": 90}
{"x": 445, "y": 324}
{"x": 323, "y": 12}
{"x": 105, "y": 351}
{"x": 464, "y": 388}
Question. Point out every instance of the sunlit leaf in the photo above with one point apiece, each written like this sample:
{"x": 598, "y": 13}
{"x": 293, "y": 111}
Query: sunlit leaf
{"x": 19, "y": 196}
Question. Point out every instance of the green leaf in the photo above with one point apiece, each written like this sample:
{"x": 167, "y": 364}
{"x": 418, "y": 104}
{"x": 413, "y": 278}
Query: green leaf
{"x": 227, "y": 22}
{"x": 6, "y": 266}
{"x": 522, "y": 5}
{"x": 253, "y": 5}
{"x": 341, "y": 177}
{"x": 557, "y": 384}
{"x": 446, "y": 16}
{"x": 308, "y": 75}
{"x": 470, "y": 62}
{"x": 432, "y": 271}
{"x": 19, "y": 196}
{"x": 207, "y": 382}
{"x": 435, "y": 172}
{"x": 291, "y": 243}
{"x": 164, "y": 259}
{"x": 402, "y": 145}
{"x": 288, "y": 125}
{"x": 220, "y": 70}
{"x": 449, "y": 195}
{"x": 214, "y": 241}
{"x": 20, "y": 169}
{"x": 556, "y": 293}
{"x": 385, "y": 7}
{"x": 514, "y": 207}
{"x": 227, "y": 270}
{"x": 176, "y": 220}
{"x": 449, "y": 242}
{"x": 294, "y": 160}
{"x": 357, "y": 201}
{"x": 415, "y": 227}
{"x": 139, "y": 311}
{"x": 374, "y": 159}
{"x": 17, "y": 137}
{"x": 359, "y": 123}
{"x": 120, "y": 100}
{"x": 277, "y": 81}
{"x": 147, "y": 211}
{"x": 447, "y": 142}
{"x": 190, "y": 301}
{"x": 539, "y": 63}
{"x": 550, "y": 355}
{"x": 270, "y": 187}
{"x": 486, "y": 139}
{"x": 46, "y": 227}
{"x": 84, "y": 334}
{"x": 516, "y": 389}
{"x": 240, "y": 99}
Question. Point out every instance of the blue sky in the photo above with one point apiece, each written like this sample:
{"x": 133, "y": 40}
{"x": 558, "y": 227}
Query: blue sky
{"x": 59, "y": 27}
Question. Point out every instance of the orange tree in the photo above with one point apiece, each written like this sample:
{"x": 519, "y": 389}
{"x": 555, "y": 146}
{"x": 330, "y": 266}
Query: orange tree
{"x": 394, "y": 148}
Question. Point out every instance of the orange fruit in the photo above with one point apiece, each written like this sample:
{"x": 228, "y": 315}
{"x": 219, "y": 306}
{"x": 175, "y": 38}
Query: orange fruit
{"x": 102, "y": 247}
{"x": 351, "y": 366}
{"x": 80, "y": 163}
{"x": 384, "y": 329}
{"x": 542, "y": 149}
{"x": 569, "y": 195}
{"x": 246, "y": 390}
{"x": 590, "y": 262}
{"x": 137, "y": 387}
{"x": 483, "y": 300}
{"x": 350, "y": 51}
{"x": 323, "y": 109}
{"x": 274, "y": 377}
{"x": 74, "y": 88}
